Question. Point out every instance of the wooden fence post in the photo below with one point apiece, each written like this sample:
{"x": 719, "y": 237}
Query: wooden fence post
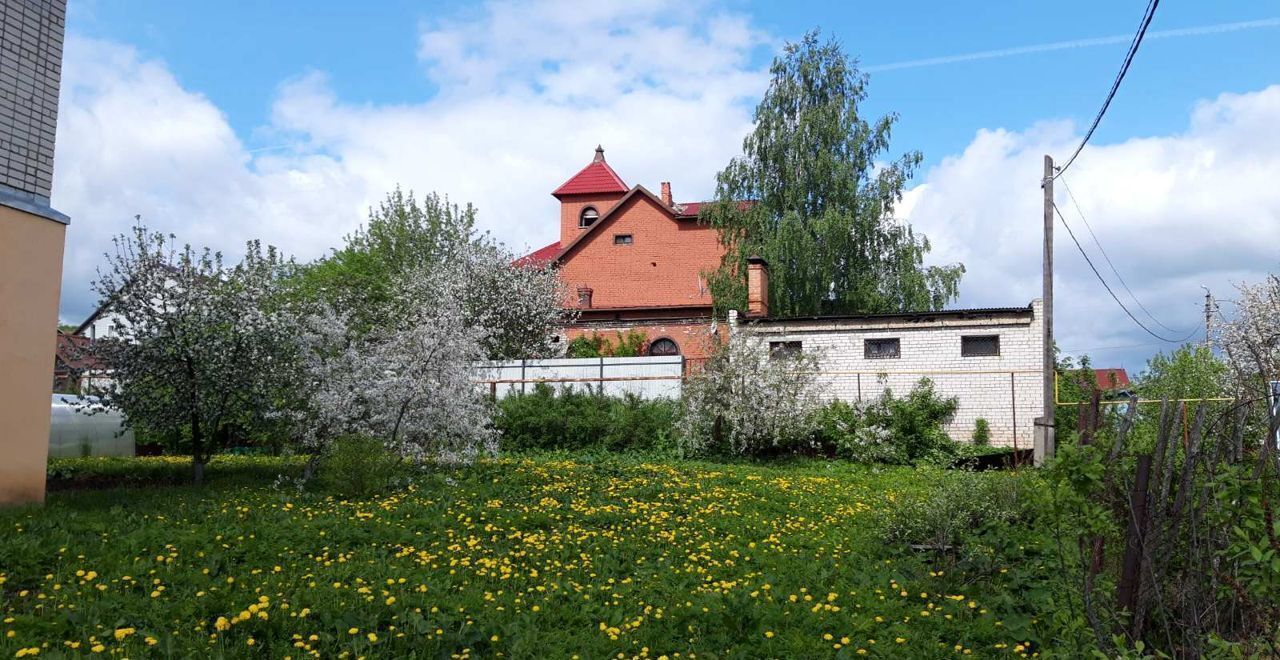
{"x": 1130, "y": 578}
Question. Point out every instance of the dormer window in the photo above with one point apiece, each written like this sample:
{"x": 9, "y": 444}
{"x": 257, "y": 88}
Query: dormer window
{"x": 588, "y": 217}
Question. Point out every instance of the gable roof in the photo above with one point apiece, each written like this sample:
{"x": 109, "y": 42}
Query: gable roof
{"x": 1110, "y": 379}
{"x": 638, "y": 190}
{"x": 596, "y": 177}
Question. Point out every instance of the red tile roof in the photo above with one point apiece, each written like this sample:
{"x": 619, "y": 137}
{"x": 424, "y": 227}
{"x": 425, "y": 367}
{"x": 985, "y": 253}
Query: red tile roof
{"x": 76, "y": 352}
{"x": 596, "y": 177}
{"x": 540, "y": 256}
{"x": 1110, "y": 379}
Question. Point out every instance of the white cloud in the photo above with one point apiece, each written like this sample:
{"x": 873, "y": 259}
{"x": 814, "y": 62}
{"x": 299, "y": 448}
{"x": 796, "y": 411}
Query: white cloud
{"x": 1173, "y": 212}
{"x": 524, "y": 94}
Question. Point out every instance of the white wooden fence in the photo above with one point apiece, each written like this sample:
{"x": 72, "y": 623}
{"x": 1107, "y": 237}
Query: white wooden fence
{"x": 647, "y": 377}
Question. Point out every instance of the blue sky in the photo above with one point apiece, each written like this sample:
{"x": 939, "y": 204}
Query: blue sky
{"x": 293, "y": 116}
{"x": 238, "y": 53}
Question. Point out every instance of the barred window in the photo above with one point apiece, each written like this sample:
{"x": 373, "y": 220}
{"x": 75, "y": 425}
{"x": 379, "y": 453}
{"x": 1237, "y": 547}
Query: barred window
{"x": 784, "y": 349}
{"x": 980, "y": 346}
{"x": 881, "y": 349}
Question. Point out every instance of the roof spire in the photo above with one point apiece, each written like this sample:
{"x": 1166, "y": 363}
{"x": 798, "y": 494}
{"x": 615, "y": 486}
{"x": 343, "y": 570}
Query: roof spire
{"x": 599, "y": 155}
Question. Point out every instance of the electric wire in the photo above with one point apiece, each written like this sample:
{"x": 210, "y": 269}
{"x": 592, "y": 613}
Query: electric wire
{"x": 1108, "y": 286}
{"x": 1080, "y": 212}
{"x": 1115, "y": 86}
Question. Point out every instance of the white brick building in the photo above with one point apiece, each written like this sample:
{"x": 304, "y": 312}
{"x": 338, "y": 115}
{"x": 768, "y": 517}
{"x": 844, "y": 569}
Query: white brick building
{"x": 990, "y": 359}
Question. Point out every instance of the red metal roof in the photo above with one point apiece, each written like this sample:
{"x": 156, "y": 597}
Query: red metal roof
{"x": 1110, "y": 379}
{"x": 539, "y": 256}
{"x": 596, "y": 177}
{"x": 690, "y": 209}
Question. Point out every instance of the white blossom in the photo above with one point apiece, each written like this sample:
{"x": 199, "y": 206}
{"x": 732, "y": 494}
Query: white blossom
{"x": 750, "y": 401}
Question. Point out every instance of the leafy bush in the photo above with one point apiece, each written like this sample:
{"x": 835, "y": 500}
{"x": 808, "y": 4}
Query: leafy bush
{"x": 981, "y": 432}
{"x": 890, "y": 429}
{"x": 630, "y": 344}
{"x": 357, "y": 465}
{"x": 963, "y": 504}
{"x": 582, "y": 419}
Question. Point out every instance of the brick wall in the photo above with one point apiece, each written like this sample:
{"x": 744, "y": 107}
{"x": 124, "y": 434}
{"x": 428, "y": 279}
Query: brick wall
{"x": 571, "y": 208}
{"x": 998, "y": 388}
{"x": 693, "y": 336}
{"x": 662, "y": 266}
{"x": 30, "y": 71}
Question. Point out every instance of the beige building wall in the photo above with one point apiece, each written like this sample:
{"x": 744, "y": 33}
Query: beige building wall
{"x": 30, "y": 282}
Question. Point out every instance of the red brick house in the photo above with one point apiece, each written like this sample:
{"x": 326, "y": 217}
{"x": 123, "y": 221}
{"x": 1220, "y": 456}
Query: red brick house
{"x": 634, "y": 260}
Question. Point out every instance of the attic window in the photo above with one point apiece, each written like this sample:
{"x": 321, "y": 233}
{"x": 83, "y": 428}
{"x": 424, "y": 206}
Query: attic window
{"x": 622, "y": 239}
{"x": 588, "y": 217}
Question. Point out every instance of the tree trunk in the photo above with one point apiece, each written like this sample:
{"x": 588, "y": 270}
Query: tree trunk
{"x": 197, "y": 450}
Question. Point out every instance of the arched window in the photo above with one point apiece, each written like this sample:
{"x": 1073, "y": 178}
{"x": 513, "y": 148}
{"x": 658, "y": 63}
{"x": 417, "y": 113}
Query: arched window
{"x": 588, "y": 217}
{"x": 663, "y": 346}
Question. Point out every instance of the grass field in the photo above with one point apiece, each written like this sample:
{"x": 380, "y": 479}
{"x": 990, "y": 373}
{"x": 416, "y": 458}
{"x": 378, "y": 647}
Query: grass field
{"x": 529, "y": 557}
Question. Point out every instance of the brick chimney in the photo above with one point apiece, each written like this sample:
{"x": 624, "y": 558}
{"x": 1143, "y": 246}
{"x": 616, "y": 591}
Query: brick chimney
{"x": 757, "y": 288}
{"x": 584, "y": 297}
{"x": 666, "y": 193}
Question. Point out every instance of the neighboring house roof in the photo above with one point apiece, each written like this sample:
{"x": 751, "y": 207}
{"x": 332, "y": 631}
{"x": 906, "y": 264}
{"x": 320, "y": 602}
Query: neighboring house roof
{"x": 597, "y": 177}
{"x": 540, "y": 256}
{"x": 89, "y": 321}
{"x": 75, "y": 352}
{"x": 1110, "y": 379}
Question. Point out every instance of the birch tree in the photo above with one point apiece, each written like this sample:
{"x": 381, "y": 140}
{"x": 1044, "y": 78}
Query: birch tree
{"x": 814, "y": 193}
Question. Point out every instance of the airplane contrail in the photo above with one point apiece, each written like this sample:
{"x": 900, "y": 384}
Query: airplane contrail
{"x": 1075, "y": 43}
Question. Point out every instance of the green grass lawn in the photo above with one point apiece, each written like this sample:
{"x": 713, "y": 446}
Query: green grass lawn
{"x": 527, "y": 557}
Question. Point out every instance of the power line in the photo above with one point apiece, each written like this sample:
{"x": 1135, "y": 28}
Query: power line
{"x": 1108, "y": 286}
{"x": 1115, "y": 86}
{"x": 1098, "y": 243}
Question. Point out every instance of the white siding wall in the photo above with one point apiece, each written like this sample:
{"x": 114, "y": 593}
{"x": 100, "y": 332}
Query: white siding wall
{"x": 994, "y": 388}
{"x": 647, "y": 377}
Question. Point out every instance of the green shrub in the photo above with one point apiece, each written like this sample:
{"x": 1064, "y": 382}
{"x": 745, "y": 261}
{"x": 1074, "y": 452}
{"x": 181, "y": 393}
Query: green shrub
{"x": 889, "y": 429}
{"x": 981, "y": 432}
{"x": 630, "y": 344}
{"x": 964, "y": 504}
{"x": 576, "y": 419}
{"x": 358, "y": 465}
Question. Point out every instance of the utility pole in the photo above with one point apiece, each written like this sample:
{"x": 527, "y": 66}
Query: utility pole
{"x": 1208, "y": 317}
{"x": 1046, "y": 448}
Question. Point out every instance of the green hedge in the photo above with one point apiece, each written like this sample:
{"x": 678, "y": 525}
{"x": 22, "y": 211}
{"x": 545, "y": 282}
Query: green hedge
{"x": 576, "y": 419}
{"x": 112, "y": 471}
